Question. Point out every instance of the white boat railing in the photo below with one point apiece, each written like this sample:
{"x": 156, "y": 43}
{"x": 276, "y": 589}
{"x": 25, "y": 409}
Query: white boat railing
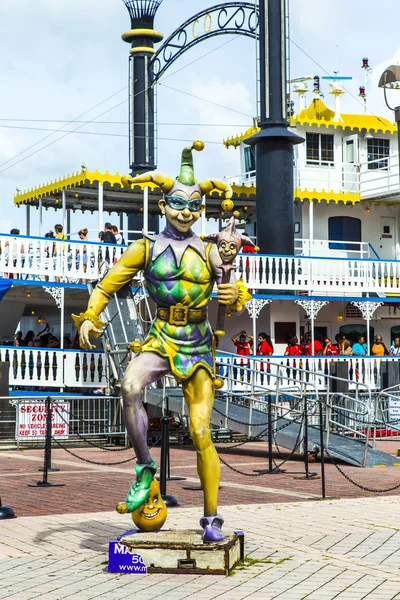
{"x": 320, "y": 274}
{"x": 313, "y": 370}
{"x": 49, "y": 259}
{"x": 369, "y": 178}
{"x": 54, "y": 368}
{"x": 380, "y": 176}
{"x": 314, "y": 176}
{"x": 332, "y": 248}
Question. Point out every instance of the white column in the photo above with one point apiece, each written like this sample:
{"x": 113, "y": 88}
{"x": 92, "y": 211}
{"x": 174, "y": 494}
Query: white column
{"x": 64, "y": 209}
{"x": 62, "y": 311}
{"x": 254, "y": 319}
{"x": 146, "y": 210}
{"x": 100, "y": 206}
{"x": 312, "y": 327}
{"x": 311, "y": 226}
{"x": 40, "y": 218}
{"x": 368, "y": 335}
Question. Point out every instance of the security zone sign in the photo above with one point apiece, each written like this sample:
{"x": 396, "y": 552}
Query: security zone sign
{"x": 31, "y": 420}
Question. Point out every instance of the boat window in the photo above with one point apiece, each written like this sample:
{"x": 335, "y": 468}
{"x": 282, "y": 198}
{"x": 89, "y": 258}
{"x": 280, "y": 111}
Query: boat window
{"x": 378, "y": 153}
{"x": 249, "y": 161}
{"x": 394, "y": 333}
{"x": 353, "y": 332}
{"x": 319, "y": 149}
{"x": 342, "y": 231}
{"x": 284, "y": 332}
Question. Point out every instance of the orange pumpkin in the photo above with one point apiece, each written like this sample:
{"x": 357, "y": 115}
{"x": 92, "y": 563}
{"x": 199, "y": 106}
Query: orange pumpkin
{"x": 151, "y": 515}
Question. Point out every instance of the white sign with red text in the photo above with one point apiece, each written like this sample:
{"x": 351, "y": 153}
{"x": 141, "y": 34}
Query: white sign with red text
{"x": 31, "y": 422}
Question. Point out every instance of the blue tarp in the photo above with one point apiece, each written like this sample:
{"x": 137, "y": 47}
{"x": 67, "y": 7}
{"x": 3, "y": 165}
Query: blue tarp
{"x": 5, "y": 285}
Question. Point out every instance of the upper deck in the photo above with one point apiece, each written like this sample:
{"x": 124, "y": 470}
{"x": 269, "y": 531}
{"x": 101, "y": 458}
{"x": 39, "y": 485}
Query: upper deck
{"x": 47, "y": 260}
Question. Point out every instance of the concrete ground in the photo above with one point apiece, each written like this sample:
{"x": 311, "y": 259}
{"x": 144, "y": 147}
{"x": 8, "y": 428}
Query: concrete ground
{"x": 300, "y": 547}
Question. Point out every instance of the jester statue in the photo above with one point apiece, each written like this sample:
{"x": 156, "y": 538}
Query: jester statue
{"x": 180, "y": 271}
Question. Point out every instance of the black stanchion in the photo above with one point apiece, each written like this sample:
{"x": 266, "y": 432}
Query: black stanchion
{"x": 308, "y": 475}
{"x": 169, "y": 500}
{"x": 48, "y": 467}
{"x": 321, "y": 441}
{"x": 47, "y": 452}
{"x": 6, "y": 512}
{"x": 271, "y": 469}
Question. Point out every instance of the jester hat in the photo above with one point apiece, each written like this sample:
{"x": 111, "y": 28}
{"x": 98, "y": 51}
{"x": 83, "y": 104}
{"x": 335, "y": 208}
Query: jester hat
{"x": 230, "y": 234}
{"x": 185, "y": 182}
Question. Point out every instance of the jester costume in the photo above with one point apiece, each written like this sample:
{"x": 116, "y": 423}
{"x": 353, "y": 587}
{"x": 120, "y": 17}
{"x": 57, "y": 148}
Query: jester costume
{"x": 180, "y": 271}
{"x": 180, "y": 280}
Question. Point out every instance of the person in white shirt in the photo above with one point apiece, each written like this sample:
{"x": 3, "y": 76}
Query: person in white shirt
{"x": 395, "y": 348}
{"x": 118, "y": 236}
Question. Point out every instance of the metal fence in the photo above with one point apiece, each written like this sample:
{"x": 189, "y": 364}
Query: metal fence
{"x": 24, "y": 419}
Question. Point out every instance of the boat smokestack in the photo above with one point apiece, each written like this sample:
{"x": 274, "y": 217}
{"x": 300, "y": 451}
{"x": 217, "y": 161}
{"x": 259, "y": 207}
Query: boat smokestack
{"x": 301, "y": 89}
{"x": 337, "y": 92}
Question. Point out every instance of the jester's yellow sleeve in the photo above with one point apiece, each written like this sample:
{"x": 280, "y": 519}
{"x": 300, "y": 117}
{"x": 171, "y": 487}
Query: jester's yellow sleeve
{"x": 131, "y": 262}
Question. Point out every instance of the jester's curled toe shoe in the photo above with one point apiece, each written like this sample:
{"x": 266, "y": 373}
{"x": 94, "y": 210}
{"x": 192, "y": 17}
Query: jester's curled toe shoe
{"x": 140, "y": 488}
{"x": 212, "y": 529}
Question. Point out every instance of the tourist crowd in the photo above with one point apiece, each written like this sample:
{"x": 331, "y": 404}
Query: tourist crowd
{"x": 43, "y": 339}
{"x": 319, "y": 347}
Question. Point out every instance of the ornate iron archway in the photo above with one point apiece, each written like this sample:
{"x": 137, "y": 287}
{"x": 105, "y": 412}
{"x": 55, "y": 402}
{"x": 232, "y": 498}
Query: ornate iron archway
{"x": 235, "y": 18}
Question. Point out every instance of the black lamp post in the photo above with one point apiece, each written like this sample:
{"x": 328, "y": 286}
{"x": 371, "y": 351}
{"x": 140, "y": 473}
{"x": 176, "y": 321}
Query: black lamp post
{"x": 142, "y": 37}
{"x": 390, "y": 79}
{"x": 274, "y": 143}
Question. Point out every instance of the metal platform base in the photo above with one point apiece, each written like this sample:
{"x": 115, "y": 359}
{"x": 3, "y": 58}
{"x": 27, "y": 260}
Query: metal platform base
{"x": 183, "y": 551}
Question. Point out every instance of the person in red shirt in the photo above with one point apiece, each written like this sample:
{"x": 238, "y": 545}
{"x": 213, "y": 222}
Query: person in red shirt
{"x": 265, "y": 348}
{"x": 330, "y": 349}
{"x": 243, "y": 348}
{"x": 308, "y": 348}
{"x": 293, "y": 348}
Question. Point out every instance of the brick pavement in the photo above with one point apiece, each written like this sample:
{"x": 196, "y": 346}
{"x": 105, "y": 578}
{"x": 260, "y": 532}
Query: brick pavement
{"x": 93, "y": 488}
{"x": 335, "y": 550}
{"x": 338, "y": 549}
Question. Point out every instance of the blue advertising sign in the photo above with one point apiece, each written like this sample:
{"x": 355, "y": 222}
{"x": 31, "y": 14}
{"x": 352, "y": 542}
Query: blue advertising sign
{"x": 120, "y": 560}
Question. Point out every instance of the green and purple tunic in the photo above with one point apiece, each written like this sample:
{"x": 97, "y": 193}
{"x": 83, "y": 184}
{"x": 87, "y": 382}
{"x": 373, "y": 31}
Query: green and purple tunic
{"x": 180, "y": 274}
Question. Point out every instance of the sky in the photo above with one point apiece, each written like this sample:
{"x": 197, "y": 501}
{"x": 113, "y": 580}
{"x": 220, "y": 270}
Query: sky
{"x": 64, "y": 60}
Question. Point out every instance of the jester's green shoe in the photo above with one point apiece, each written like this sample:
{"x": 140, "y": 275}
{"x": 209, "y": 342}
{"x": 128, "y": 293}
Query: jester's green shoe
{"x": 140, "y": 488}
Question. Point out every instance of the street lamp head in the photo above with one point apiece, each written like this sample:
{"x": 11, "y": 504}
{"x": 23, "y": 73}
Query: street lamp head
{"x": 139, "y": 9}
{"x": 390, "y": 76}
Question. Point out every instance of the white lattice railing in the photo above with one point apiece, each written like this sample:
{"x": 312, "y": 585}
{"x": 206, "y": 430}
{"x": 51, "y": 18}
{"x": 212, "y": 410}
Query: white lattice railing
{"x": 49, "y": 259}
{"x": 317, "y": 274}
{"x": 54, "y": 368}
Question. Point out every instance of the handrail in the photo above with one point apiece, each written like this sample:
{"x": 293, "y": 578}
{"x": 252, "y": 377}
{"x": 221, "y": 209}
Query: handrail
{"x": 279, "y": 375}
{"x": 374, "y": 251}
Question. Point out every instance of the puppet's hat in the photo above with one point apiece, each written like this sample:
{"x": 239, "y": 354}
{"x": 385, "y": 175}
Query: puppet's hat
{"x": 186, "y": 176}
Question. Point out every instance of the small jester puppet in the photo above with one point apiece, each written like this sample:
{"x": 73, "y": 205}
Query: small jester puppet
{"x": 180, "y": 271}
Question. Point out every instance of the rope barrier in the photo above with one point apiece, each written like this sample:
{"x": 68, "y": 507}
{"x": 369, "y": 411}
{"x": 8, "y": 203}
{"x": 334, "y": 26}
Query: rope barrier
{"x": 80, "y": 436}
{"x": 359, "y": 485}
{"x": 293, "y": 451}
{"x": 92, "y": 462}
